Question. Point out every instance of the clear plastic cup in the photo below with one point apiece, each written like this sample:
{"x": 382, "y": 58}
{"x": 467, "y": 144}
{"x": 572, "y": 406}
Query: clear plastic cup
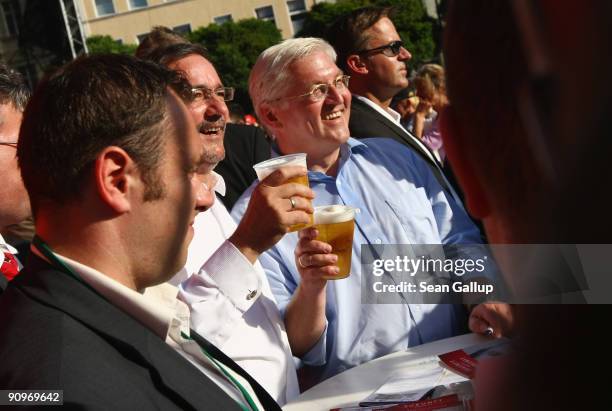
{"x": 336, "y": 225}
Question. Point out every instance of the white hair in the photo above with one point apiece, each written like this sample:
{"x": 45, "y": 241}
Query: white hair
{"x": 270, "y": 75}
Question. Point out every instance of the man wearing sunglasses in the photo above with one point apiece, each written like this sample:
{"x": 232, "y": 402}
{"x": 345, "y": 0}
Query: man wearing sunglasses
{"x": 371, "y": 52}
{"x": 14, "y": 202}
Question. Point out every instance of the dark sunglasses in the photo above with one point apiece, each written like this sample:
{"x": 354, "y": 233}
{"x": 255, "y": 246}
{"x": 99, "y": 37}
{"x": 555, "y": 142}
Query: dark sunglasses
{"x": 390, "y": 50}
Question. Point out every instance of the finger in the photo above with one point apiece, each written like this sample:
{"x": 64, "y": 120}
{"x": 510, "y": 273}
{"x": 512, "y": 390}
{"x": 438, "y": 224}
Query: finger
{"x": 293, "y": 190}
{"x": 308, "y": 233}
{"x": 317, "y": 260}
{"x": 313, "y": 247}
{"x": 279, "y": 176}
{"x": 299, "y": 203}
{"x": 478, "y": 325}
{"x": 319, "y": 272}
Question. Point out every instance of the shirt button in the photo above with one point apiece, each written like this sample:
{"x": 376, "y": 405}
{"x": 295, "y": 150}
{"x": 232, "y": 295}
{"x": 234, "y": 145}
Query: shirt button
{"x": 251, "y": 294}
{"x": 339, "y": 183}
{"x": 378, "y": 241}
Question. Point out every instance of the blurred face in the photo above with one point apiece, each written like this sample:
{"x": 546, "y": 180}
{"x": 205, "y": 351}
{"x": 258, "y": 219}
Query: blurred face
{"x": 304, "y": 125}
{"x": 14, "y": 201}
{"x": 167, "y": 223}
{"x": 386, "y": 73}
{"x": 210, "y": 115}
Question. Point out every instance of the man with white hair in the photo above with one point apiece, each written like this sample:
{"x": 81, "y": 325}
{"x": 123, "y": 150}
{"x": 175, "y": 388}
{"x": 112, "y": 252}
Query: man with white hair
{"x": 302, "y": 98}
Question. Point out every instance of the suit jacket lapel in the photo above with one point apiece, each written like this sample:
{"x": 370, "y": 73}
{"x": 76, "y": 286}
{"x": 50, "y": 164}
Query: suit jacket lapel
{"x": 264, "y": 398}
{"x": 394, "y": 129}
{"x": 73, "y": 297}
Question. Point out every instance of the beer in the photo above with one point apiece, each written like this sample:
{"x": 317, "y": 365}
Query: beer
{"x": 336, "y": 225}
{"x": 265, "y": 168}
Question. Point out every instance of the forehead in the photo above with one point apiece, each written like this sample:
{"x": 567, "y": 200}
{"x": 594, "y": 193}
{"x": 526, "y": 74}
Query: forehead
{"x": 382, "y": 32}
{"x": 198, "y": 71}
{"x": 315, "y": 68}
{"x": 180, "y": 128}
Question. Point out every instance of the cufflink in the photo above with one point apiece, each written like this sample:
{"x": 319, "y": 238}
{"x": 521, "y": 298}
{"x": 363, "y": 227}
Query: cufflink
{"x": 251, "y": 294}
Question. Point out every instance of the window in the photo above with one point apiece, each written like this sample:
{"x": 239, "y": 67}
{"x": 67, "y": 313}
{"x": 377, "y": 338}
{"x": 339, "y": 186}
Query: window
{"x": 265, "y": 13}
{"x": 297, "y": 12}
{"x": 104, "y": 7}
{"x": 10, "y": 18}
{"x": 223, "y": 19}
{"x": 183, "y": 29}
{"x": 138, "y": 4}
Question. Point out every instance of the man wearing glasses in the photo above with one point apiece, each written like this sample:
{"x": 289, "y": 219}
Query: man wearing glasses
{"x": 302, "y": 98}
{"x": 371, "y": 52}
{"x": 223, "y": 283}
{"x": 14, "y": 202}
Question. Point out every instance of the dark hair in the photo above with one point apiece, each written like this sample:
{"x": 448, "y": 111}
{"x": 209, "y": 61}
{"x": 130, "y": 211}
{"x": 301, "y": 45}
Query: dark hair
{"x": 13, "y": 88}
{"x": 158, "y": 38}
{"x": 169, "y": 54}
{"x": 347, "y": 36}
{"x": 87, "y": 105}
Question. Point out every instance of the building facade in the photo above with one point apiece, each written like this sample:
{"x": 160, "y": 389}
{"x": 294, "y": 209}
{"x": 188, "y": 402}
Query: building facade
{"x": 130, "y": 20}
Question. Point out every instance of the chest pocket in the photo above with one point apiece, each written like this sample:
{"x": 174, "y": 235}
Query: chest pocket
{"x": 416, "y": 218}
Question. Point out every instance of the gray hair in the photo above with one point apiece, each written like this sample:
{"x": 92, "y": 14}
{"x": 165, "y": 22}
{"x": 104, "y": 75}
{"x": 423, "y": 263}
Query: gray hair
{"x": 13, "y": 88}
{"x": 269, "y": 76}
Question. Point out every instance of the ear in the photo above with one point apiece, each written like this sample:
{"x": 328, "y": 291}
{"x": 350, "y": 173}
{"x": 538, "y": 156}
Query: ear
{"x": 268, "y": 116}
{"x": 356, "y": 64}
{"x": 454, "y": 145}
{"x": 115, "y": 174}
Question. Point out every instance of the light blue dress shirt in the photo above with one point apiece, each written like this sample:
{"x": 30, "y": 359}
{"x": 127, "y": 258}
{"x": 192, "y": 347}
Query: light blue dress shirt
{"x": 401, "y": 202}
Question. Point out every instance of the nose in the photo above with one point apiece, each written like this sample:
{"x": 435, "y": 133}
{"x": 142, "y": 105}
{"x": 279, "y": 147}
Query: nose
{"x": 404, "y": 54}
{"x": 334, "y": 94}
{"x": 215, "y": 109}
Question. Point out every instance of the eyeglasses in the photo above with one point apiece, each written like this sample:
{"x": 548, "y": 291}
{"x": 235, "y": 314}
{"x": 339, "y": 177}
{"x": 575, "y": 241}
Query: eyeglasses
{"x": 9, "y": 143}
{"x": 201, "y": 94}
{"x": 390, "y": 50}
{"x": 318, "y": 92}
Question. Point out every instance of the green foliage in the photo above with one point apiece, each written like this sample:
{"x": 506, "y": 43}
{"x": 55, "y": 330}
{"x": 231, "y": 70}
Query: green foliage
{"x": 106, "y": 44}
{"x": 413, "y": 24}
{"x": 234, "y": 48}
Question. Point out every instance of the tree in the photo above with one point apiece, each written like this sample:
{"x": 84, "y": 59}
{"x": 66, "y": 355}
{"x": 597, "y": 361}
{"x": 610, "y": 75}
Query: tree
{"x": 106, "y": 44}
{"x": 413, "y": 24}
{"x": 234, "y": 48}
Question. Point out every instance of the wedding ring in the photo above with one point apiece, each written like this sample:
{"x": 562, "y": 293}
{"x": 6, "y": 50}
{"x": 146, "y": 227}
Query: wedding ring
{"x": 489, "y": 331}
{"x": 299, "y": 260}
{"x": 293, "y": 205}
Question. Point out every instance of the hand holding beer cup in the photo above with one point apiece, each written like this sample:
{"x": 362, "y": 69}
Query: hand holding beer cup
{"x": 265, "y": 168}
{"x": 274, "y": 207}
{"x": 332, "y": 233}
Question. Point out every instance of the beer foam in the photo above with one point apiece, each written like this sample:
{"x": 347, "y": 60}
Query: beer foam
{"x": 333, "y": 214}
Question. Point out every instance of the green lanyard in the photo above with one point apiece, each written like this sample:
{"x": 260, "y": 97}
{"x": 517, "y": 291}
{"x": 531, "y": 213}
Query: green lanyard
{"x": 229, "y": 376}
{"x": 48, "y": 253}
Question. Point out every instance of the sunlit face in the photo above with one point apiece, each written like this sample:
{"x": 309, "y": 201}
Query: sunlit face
{"x": 313, "y": 127}
{"x": 211, "y": 115}
{"x": 383, "y": 71}
{"x": 14, "y": 203}
{"x": 168, "y": 221}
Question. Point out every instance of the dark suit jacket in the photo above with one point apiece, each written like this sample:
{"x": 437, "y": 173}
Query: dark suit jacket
{"x": 365, "y": 122}
{"x": 3, "y": 283}
{"x": 57, "y": 333}
{"x": 244, "y": 147}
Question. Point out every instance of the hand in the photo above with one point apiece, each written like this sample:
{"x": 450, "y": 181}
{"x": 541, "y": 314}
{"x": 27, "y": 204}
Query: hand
{"x": 273, "y": 208}
{"x": 493, "y": 315}
{"x": 314, "y": 260}
{"x": 423, "y": 108}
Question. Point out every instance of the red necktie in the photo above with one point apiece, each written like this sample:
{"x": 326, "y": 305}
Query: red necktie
{"x": 9, "y": 267}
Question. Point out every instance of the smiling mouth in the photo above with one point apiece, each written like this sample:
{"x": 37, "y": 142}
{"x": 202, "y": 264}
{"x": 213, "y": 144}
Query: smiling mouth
{"x": 212, "y": 129}
{"x": 334, "y": 115}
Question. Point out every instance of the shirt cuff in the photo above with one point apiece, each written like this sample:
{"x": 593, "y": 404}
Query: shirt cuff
{"x": 234, "y": 275}
{"x": 318, "y": 353}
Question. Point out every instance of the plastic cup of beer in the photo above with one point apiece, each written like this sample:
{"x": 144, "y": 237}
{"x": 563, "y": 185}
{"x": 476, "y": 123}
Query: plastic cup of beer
{"x": 336, "y": 224}
{"x": 265, "y": 168}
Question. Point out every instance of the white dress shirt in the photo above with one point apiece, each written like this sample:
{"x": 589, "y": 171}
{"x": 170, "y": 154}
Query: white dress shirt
{"x": 162, "y": 312}
{"x": 232, "y": 305}
{"x": 4, "y": 246}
